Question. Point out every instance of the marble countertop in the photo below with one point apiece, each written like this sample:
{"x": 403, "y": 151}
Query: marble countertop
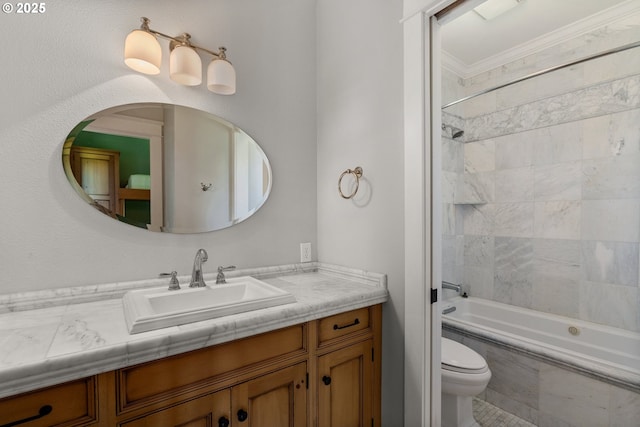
{"x": 50, "y": 337}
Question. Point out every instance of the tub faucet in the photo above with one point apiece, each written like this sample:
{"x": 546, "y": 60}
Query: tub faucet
{"x": 452, "y": 286}
{"x": 220, "y": 279}
{"x": 197, "y": 281}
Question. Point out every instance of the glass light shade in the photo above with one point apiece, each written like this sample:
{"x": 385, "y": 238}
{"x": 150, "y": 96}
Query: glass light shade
{"x": 221, "y": 77}
{"x": 142, "y": 52}
{"x": 185, "y": 66}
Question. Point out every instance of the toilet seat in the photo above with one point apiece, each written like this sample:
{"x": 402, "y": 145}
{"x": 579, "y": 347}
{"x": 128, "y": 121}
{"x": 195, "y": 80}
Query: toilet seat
{"x": 459, "y": 358}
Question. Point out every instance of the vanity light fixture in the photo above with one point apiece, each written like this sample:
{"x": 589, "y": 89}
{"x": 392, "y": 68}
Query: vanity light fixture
{"x": 142, "y": 53}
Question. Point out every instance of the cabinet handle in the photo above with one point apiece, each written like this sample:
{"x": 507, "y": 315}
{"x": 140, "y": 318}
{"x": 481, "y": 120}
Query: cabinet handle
{"x": 45, "y": 410}
{"x": 326, "y": 380}
{"x": 223, "y": 422}
{"x": 355, "y": 322}
{"x": 242, "y": 415}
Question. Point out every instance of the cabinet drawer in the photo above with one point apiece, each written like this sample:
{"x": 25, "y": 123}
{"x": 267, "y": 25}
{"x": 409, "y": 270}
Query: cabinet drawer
{"x": 153, "y": 381}
{"x": 70, "y": 404}
{"x": 343, "y": 324}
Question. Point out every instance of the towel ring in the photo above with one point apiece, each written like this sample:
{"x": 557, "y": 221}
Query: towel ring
{"x": 357, "y": 172}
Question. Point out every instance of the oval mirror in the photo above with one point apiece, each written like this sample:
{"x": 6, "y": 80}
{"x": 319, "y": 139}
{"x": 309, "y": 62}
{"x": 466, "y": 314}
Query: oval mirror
{"x": 167, "y": 168}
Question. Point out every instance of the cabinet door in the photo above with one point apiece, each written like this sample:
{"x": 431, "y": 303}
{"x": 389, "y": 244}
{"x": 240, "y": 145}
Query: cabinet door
{"x": 208, "y": 411}
{"x": 273, "y": 400}
{"x": 345, "y": 389}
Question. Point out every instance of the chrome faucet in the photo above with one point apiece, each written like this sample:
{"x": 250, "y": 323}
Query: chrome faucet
{"x": 452, "y": 286}
{"x": 197, "y": 281}
{"x": 220, "y": 278}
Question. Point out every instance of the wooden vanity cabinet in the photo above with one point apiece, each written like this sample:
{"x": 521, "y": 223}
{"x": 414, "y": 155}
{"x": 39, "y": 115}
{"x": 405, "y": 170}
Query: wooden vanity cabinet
{"x": 320, "y": 373}
{"x": 70, "y": 404}
{"x": 207, "y": 411}
{"x": 348, "y": 364}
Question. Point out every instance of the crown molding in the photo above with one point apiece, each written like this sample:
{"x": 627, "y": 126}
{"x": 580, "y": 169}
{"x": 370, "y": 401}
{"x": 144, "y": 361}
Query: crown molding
{"x": 602, "y": 19}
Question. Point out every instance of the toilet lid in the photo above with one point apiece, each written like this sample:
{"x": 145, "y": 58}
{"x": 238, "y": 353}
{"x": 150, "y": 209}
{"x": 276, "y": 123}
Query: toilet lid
{"x": 460, "y": 358}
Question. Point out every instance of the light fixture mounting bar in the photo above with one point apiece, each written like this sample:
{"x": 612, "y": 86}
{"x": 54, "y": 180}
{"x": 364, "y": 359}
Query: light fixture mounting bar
{"x": 182, "y": 40}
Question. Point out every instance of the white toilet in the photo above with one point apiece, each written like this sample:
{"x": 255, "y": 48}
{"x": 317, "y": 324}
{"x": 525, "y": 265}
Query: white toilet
{"x": 464, "y": 374}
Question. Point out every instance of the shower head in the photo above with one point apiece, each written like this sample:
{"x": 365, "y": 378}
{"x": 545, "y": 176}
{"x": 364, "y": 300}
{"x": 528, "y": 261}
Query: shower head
{"x": 455, "y": 132}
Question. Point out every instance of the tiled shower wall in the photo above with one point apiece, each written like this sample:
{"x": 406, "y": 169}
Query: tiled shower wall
{"x": 542, "y": 193}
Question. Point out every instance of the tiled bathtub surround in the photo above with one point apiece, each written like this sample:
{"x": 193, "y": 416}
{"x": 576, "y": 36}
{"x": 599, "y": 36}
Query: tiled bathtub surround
{"x": 560, "y": 230}
{"x": 548, "y": 395}
{"x": 541, "y": 209}
{"x": 542, "y": 196}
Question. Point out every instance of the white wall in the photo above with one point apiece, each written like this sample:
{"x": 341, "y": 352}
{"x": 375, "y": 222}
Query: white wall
{"x": 67, "y": 63}
{"x": 360, "y": 124}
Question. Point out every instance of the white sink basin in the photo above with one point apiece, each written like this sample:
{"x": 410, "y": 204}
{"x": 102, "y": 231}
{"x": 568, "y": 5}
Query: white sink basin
{"x": 155, "y": 308}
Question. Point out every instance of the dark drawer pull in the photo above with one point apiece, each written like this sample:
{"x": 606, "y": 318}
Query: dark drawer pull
{"x": 355, "y": 322}
{"x": 45, "y": 410}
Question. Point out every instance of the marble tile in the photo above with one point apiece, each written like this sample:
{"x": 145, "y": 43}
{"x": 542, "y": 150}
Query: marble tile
{"x": 479, "y": 281}
{"x": 556, "y": 276}
{"x": 558, "y": 144}
{"x": 609, "y": 97}
{"x": 448, "y": 219}
{"x": 26, "y": 336}
{"x": 557, "y": 219}
{"x": 514, "y": 185}
{"x": 94, "y": 328}
{"x": 610, "y": 262}
{"x": 479, "y": 156}
{"x": 478, "y": 251}
{"x": 514, "y": 219}
{"x": 514, "y": 375}
{"x": 514, "y": 151}
{"x": 613, "y": 66}
{"x": 572, "y": 398}
{"x": 480, "y": 105}
{"x": 508, "y": 404}
{"x": 611, "y": 178}
{"x": 625, "y": 407}
{"x": 560, "y": 181}
{"x": 460, "y": 215}
{"x": 546, "y": 420}
{"x": 612, "y": 305}
{"x": 452, "y": 155}
{"x": 476, "y": 188}
{"x": 513, "y": 271}
{"x": 596, "y": 137}
{"x": 612, "y": 135}
{"x": 449, "y": 186}
{"x": 612, "y": 220}
{"x": 478, "y": 219}
{"x": 452, "y": 258}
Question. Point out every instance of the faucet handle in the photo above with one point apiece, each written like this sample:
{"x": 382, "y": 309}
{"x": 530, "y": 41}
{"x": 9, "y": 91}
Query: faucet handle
{"x": 220, "y": 279}
{"x": 174, "y": 284}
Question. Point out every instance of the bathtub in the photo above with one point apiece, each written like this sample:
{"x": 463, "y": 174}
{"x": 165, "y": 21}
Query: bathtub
{"x": 606, "y": 353}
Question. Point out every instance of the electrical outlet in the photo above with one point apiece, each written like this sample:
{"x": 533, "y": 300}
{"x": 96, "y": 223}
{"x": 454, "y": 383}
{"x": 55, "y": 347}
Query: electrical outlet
{"x": 305, "y": 252}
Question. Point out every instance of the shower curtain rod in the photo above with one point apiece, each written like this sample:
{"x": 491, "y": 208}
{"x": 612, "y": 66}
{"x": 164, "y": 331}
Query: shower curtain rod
{"x": 545, "y": 71}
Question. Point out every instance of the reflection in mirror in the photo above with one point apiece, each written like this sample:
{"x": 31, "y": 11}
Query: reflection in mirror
{"x": 167, "y": 168}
